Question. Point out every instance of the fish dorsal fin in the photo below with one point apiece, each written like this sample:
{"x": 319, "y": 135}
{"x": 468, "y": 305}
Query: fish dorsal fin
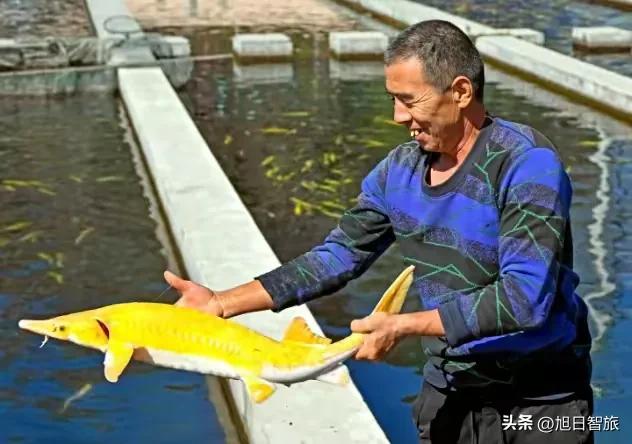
{"x": 299, "y": 331}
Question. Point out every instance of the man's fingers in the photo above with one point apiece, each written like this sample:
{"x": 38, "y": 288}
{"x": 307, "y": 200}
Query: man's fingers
{"x": 367, "y": 353}
{"x": 357, "y": 326}
{"x": 364, "y": 325}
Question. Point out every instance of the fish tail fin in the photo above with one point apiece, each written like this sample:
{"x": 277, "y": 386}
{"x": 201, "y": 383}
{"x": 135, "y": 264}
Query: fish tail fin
{"x": 393, "y": 298}
{"x": 391, "y": 302}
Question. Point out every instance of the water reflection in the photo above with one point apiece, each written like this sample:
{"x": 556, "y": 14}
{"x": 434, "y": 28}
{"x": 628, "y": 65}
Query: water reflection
{"x": 263, "y": 73}
{"x": 297, "y": 152}
{"x": 355, "y": 70}
{"x": 75, "y": 233}
{"x": 604, "y": 286}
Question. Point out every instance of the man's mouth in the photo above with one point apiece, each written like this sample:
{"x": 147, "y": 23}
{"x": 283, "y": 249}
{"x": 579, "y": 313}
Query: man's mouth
{"x": 414, "y": 133}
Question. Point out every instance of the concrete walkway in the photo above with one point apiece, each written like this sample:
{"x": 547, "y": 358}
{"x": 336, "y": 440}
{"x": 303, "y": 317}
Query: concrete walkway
{"x": 222, "y": 247}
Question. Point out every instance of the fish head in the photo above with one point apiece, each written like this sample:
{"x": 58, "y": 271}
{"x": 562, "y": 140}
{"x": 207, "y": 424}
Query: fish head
{"x": 80, "y": 328}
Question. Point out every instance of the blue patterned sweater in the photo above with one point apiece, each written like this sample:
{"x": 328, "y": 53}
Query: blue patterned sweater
{"x": 492, "y": 251}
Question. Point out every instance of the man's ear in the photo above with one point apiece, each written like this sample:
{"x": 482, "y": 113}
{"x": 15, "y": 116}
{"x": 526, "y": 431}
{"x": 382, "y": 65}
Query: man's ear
{"x": 462, "y": 91}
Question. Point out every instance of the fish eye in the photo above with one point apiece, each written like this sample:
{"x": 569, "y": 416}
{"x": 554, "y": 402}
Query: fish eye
{"x": 62, "y": 328}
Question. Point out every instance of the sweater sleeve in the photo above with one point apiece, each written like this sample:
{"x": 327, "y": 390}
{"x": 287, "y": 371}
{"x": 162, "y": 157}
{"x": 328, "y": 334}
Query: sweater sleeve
{"x": 363, "y": 233}
{"x": 534, "y": 200}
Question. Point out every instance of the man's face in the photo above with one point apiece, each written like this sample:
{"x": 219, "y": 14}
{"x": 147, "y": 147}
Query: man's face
{"x": 432, "y": 116}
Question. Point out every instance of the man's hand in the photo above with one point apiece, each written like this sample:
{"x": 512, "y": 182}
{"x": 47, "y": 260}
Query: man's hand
{"x": 381, "y": 335}
{"x": 194, "y": 295}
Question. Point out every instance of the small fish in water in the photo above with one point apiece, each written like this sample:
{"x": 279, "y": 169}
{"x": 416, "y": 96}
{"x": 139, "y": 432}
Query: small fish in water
{"x": 77, "y": 395}
{"x": 187, "y": 339}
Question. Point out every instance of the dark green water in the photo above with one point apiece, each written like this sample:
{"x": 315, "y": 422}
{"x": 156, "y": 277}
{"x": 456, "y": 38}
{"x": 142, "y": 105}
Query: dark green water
{"x": 75, "y": 233}
{"x": 296, "y": 141}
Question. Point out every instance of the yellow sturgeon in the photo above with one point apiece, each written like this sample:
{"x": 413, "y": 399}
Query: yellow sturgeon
{"x": 187, "y": 339}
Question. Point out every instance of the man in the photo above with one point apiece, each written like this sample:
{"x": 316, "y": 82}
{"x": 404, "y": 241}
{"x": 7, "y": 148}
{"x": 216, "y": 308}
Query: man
{"x": 480, "y": 205}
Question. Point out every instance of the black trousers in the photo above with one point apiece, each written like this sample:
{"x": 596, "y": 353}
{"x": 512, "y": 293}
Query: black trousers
{"x": 449, "y": 417}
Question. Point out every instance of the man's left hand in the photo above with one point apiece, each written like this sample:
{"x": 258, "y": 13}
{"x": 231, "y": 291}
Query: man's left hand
{"x": 381, "y": 335}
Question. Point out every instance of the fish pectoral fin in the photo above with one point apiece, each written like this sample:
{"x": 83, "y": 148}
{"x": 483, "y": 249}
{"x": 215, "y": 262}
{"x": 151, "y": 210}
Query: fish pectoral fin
{"x": 117, "y": 357}
{"x": 299, "y": 331}
{"x": 338, "y": 376}
{"x": 258, "y": 389}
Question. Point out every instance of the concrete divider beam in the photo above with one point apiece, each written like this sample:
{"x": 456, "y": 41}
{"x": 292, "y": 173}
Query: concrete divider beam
{"x": 221, "y": 247}
{"x": 113, "y": 15}
{"x": 407, "y": 13}
{"x": 353, "y": 45}
{"x": 596, "y": 84}
{"x": 171, "y": 46}
{"x": 272, "y": 46}
{"x": 602, "y": 37}
{"x": 528, "y": 34}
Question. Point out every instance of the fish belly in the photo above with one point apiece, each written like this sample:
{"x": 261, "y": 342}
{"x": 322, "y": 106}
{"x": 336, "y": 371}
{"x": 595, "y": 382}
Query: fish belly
{"x": 191, "y": 363}
{"x": 303, "y": 373}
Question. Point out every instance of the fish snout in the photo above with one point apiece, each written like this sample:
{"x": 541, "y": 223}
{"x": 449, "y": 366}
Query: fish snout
{"x": 45, "y": 328}
{"x": 27, "y": 324}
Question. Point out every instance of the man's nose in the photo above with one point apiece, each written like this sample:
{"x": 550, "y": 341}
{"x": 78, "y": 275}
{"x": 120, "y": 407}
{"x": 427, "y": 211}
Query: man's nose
{"x": 401, "y": 114}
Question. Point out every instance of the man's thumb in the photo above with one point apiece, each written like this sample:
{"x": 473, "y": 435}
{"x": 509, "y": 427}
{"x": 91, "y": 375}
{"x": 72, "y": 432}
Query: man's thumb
{"x": 360, "y": 326}
{"x": 175, "y": 281}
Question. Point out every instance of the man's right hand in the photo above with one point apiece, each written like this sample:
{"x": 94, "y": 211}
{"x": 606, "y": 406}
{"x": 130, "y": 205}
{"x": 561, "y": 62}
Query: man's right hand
{"x": 193, "y": 295}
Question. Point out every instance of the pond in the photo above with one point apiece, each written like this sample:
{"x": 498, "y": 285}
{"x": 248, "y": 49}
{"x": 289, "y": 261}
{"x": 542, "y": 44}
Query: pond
{"x": 296, "y": 140}
{"x": 76, "y": 233}
{"x": 555, "y": 18}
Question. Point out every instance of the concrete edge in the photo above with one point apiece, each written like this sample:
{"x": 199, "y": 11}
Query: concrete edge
{"x": 563, "y": 106}
{"x": 583, "y": 82}
{"x": 99, "y": 11}
{"x": 201, "y": 204}
{"x": 63, "y": 81}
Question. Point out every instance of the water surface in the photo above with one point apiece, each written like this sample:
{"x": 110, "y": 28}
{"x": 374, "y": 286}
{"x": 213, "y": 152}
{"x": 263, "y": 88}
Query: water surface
{"x": 75, "y": 234}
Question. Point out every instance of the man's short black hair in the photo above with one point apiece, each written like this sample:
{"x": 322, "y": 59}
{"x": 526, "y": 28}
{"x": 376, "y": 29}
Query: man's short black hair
{"x": 445, "y": 52}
